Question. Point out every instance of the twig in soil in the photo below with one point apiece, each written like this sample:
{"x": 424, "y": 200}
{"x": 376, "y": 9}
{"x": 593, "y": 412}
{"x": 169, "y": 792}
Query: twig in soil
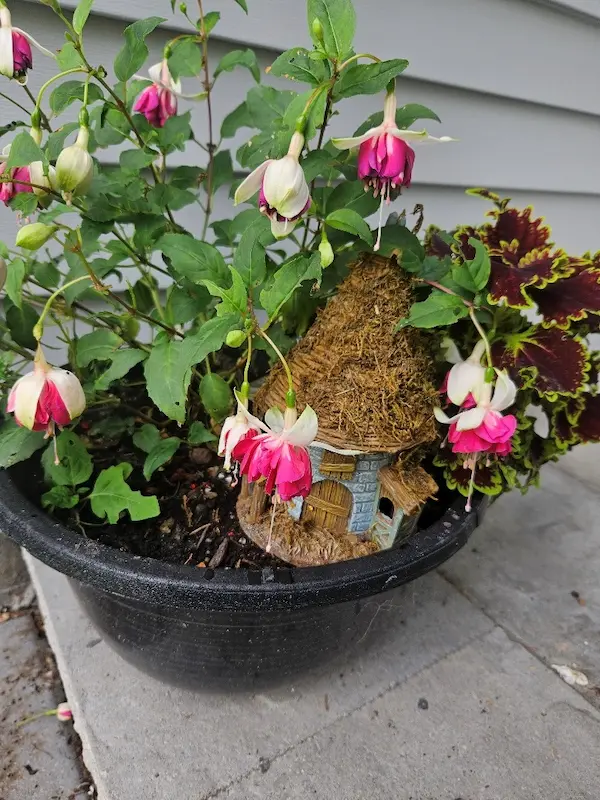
{"x": 187, "y": 512}
{"x": 204, "y": 529}
{"x": 219, "y": 556}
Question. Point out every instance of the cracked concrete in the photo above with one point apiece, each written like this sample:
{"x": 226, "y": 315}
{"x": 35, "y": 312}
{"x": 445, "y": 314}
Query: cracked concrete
{"x": 455, "y": 700}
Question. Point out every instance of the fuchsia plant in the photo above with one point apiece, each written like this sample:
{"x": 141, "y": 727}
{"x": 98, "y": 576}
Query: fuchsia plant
{"x": 180, "y": 310}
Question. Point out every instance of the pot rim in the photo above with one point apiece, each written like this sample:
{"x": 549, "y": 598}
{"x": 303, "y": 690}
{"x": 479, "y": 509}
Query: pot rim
{"x": 152, "y": 581}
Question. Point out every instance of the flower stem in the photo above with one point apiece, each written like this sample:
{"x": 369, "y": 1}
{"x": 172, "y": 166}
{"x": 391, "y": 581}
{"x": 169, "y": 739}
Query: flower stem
{"x": 291, "y": 393}
{"x": 356, "y": 57}
{"x": 38, "y": 329}
{"x": 248, "y": 359}
{"x": 211, "y": 145}
{"x": 482, "y": 333}
{"x": 51, "y": 80}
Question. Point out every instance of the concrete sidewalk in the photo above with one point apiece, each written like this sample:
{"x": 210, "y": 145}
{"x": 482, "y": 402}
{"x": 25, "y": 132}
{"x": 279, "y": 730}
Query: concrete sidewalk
{"x": 457, "y": 702}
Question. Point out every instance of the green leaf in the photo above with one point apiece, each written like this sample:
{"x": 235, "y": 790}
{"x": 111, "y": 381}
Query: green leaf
{"x": 146, "y": 438}
{"x": 75, "y": 462}
{"x": 186, "y": 302}
{"x": 210, "y": 20}
{"x": 17, "y": 444}
{"x": 480, "y": 266}
{"x": 23, "y": 151}
{"x": 99, "y": 345}
{"x": 314, "y": 119}
{"x": 111, "y": 496}
{"x": 235, "y": 299}
{"x": 405, "y": 117}
{"x": 338, "y": 21}
{"x": 56, "y": 141}
{"x": 185, "y": 59}
{"x": 68, "y": 57}
{"x": 249, "y": 258}
{"x": 81, "y": 14}
{"x": 239, "y": 58}
{"x": 136, "y": 160}
{"x": 266, "y": 104}
{"x": 351, "y": 195}
{"x": 175, "y": 133}
{"x": 69, "y": 91}
{"x": 438, "y": 310}
{"x": 122, "y": 362}
{"x": 24, "y": 202}
{"x": 287, "y": 279}
{"x": 236, "y": 119}
{"x": 198, "y": 434}
{"x": 368, "y": 78}
{"x": 349, "y": 221}
{"x": 59, "y": 497}
{"x": 160, "y": 454}
{"x": 216, "y": 396}
{"x": 296, "y": 65}
{"x": 398, "y": 238}
{"x": 222, "y": 169}
{"x": 20, "y": 322}
{"x": 197, "y": 261}
{"x": 168, "y": 370}
{"x": 242, "y": 4}
{"x": 14, "y": 281}
{"x": 134, "y": 52}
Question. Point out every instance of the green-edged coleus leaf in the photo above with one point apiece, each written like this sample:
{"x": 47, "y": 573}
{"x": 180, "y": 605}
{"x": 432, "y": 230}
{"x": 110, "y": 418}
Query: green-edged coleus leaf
{"x": 547, "y": 359}
{"x": 488, "y": 478}
{"x": 570, "y": 299}
{"x": 588, "y": 424}
{"x": 511, "y": 275}
{"x": 563, "y": 419}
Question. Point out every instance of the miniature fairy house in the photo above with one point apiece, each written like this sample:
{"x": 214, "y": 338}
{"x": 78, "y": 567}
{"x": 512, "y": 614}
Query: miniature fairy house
{"x": 371, "y": 389}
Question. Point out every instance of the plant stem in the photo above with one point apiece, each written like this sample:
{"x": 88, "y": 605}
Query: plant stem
{"x": 481, "y": 332}
{"x": 439, "y": 286}
{"x": 51, "y": 80}
{"x": 15, "y": 103}
{"x": 211, "y": 144}
{"x": 280, "y": 356}
{"x": 38, "y": 329}
{"x": 356, "y": 57}
{"x": 43, "y": 118}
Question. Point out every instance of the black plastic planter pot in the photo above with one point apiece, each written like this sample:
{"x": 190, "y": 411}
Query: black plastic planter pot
{"x": 226, "y": 629}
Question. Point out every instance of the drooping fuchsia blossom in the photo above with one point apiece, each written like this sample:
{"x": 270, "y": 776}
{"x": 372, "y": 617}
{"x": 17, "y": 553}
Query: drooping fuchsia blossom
{"x": 13, "y": 184}
{"x": 464, "y": 383}
{"x": 385, "y": 157}
{"x": 235, "y": 428}
{"x": 279, "y": 454}
{"x": 158, "y": 102}
{"x": 283, "y": 193}
{"x": 15, "y": 49}
{"x": 46, "y": 397}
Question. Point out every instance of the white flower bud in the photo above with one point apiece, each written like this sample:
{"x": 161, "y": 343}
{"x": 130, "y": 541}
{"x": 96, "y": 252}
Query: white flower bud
{"x": 75, "y": 167}
{"x": 327, "y": 255}
{"x": 33, "y": 236}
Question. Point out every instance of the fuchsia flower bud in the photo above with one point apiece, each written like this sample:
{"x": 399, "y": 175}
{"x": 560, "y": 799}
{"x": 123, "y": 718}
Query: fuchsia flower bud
{"x": 385, "y": 158}
{"x": 46, "y": 397}
{"x": 279, "y": 454}
{"x": 63, "y": 712}
{"x": 284, "y": 195}
{"x": 159, "y": 102}
{"x": 15, "y": 49}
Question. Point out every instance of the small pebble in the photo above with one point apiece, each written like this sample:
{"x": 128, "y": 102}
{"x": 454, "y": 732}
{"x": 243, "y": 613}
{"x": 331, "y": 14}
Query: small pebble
{"x": 423, "y": 704}
{"x": 201, "y": 455}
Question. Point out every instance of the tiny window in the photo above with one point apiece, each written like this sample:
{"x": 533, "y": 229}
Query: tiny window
{"x": 386, "y": 508}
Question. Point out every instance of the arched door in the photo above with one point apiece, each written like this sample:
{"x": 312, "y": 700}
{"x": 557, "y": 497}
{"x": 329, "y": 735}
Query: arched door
{"x": 328, "y": 506}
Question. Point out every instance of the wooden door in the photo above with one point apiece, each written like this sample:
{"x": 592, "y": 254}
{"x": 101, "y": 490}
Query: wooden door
{"x": 328, "y": 506}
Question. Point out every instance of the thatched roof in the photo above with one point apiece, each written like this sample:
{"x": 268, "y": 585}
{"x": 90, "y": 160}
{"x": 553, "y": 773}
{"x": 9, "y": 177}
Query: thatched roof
{"x": 370, "y": 387}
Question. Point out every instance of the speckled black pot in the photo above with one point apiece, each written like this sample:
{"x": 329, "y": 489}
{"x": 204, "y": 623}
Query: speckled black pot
{"x": 226, "y": 629}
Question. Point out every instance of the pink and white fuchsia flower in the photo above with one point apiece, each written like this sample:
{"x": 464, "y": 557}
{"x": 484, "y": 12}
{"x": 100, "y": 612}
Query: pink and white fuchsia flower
{"x": 385, "y": 157}
{"x": 15, "y": 49}
{"x": 235, "y": 428}
{"x": 158, "y": 102}
{"x": 279, "y": 454}
{"x": 46, "y": 397}
{"x": 284, "y": 195}
{"x": 466, "y": 379}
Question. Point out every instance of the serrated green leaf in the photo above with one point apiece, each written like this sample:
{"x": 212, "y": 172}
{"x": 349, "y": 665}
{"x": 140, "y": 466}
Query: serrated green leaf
{"x": 25, "y": 203}
{"x": 59, "y": 497}
{"x": 439, "y": 309}
{"x": 368, "y": 78}
{"x": 352, "y": 195}
{"x": 168, "y": 369}
{"x": 349, "y": 221}
{"x": 287, "y": 279}
{"x": 69, "y": 91}
{"x": 186, "y": 302}
{"x": 199, "y": 434}
{"x": 146, "y": 437}
{"x": 185, "y": 59}
{"x": 14, "y": 281}
{"x": 81, "y": 14}
{"x": 23, "y": 151}
{"x": 136, "y": 160}
{"x": 17, "y": 444}
{"x": 99, "y": 345}
{"x": 338, "y": 22}
{"x": 122, "y": 362}
{"x": 216, "y": 396}
{"x": 236, "y": 119}
{"x": 239, "y": 58}
{"x": 68, "y": 57}
{"x": 266, "y": 104}
{"x": 111, "y": 496}
{"x": 234, "y": 300}
{"x": 134, "y": 52}
{"x": 162, "y": 452}
{"x": 222, "y": 170}
{"x": 249, "y": 258}
{"x": 296, "y": 65}
{"x": 196, "y": 261}
{"x": 75, "y": 465}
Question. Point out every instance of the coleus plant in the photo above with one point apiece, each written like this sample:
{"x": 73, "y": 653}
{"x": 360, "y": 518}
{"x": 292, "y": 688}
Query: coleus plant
{"x": 176, "y": 319}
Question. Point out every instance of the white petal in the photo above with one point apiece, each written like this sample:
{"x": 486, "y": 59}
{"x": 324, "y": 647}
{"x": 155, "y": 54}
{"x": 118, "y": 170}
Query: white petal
{"x": 478, "y": 352}
{"x": 6, "y": 52}
{"x": 504, "y": 393}
{"x": 355, "y": 141}
{"x": 27, "y": 394}
{"x": 282, "y": 229}
{"x": 451, "y": 351}
{"x": 470, "y": 419}
{"x": 69, "y": 389}
{"x": 274, "y": 419}
{"x": 227, "y": 426}
{"x": 465, "y": 378}
{"x": 35, "y": 43}
{"x": 304, "y": 430}
{"x": 251, "y": 184}
{"x": 285, "y": 187}
{"x": 252, "y": 420}
{"x": 154, "y": 72}
{"x": 418, "y": 137}
{"x": 441, "y": 416}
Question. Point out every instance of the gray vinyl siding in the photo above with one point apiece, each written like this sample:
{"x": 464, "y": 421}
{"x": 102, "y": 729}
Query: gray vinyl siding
{"x": 516, "y": 81}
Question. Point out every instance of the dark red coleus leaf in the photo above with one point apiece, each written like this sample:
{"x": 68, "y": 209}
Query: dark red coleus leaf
{"x": 548, "y": 359}
{"x": 515, "y": 226}
{"x": 588, "y": 424}
{"x": 510, "y": 276}
{"x": 563, "y": 420}
{"x": 569, "y": 299}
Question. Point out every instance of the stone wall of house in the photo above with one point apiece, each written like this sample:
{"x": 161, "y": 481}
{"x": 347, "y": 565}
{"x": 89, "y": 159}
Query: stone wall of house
{"x": 363, "y": 485}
